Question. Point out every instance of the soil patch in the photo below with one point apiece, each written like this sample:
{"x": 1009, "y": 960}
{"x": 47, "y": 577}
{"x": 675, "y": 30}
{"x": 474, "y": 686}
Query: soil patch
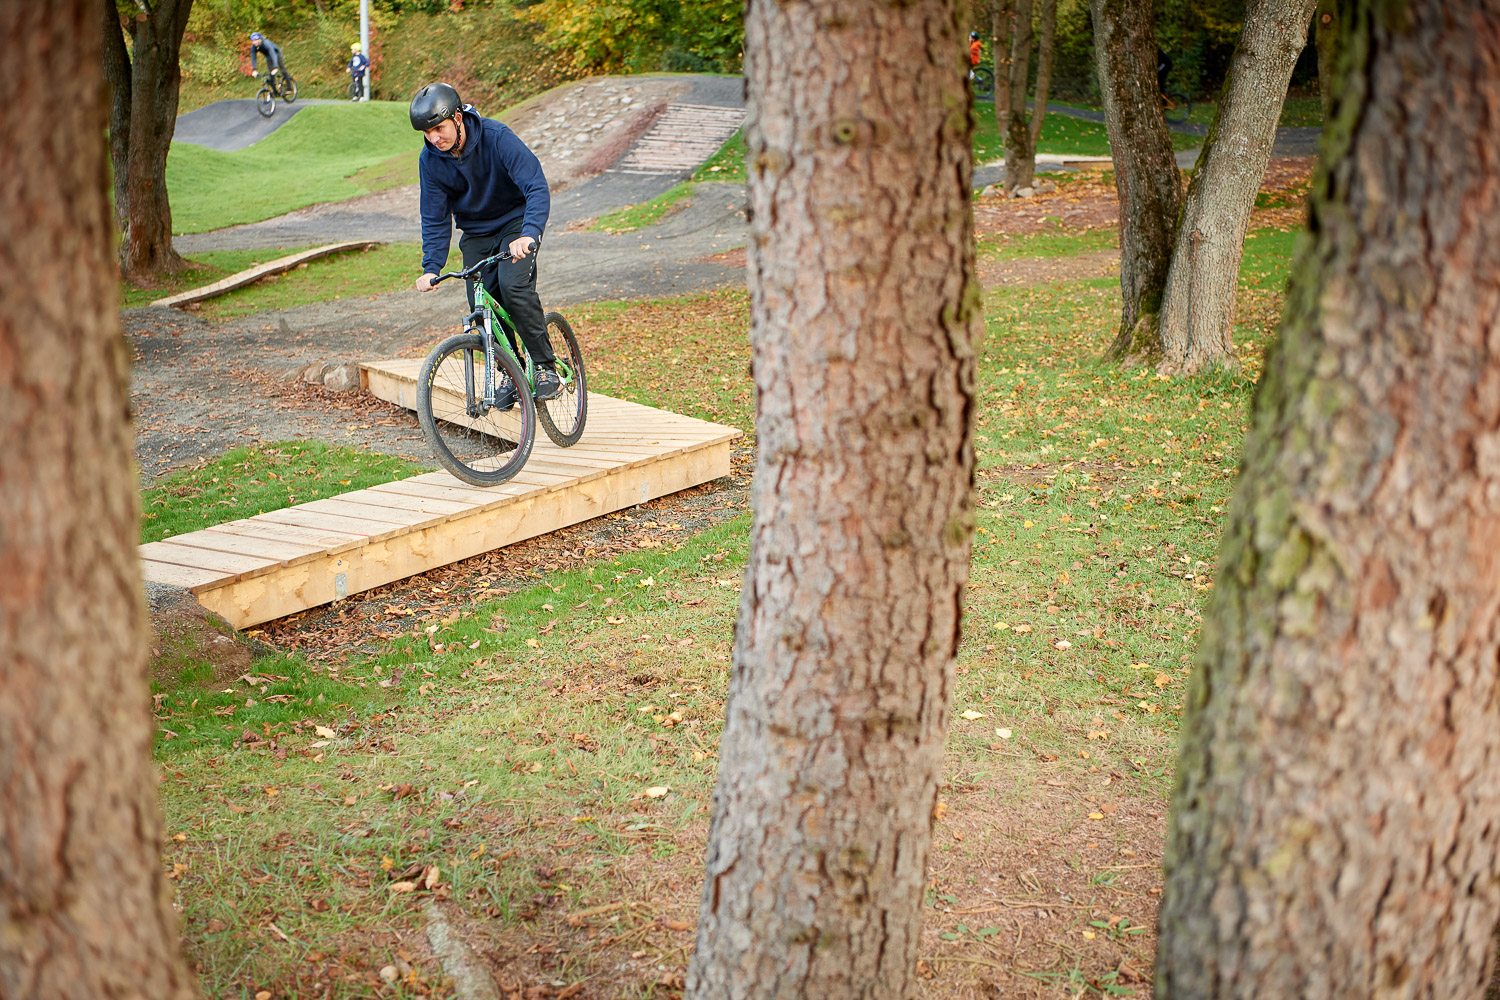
{"x": 1043, "y": 270}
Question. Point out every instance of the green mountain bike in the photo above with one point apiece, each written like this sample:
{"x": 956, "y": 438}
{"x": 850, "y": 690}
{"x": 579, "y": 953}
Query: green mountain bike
{"x": 464, "y": 388}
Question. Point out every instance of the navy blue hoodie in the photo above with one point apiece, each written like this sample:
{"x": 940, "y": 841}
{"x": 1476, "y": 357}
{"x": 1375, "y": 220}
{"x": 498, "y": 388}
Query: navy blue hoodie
{"x": 495, "y": 181}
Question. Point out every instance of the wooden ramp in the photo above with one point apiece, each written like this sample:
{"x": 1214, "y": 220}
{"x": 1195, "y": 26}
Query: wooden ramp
{"x": 285, "y": 561}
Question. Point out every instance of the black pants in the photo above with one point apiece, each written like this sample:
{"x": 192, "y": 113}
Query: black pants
{"x": 513, "y": 284}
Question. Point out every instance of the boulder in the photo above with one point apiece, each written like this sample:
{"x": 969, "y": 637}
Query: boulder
{"x": 342, "y": 377}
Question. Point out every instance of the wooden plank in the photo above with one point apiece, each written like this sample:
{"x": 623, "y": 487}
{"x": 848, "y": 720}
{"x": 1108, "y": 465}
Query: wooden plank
{"x": 471, "y": 496}
{"x": 413, "y": 503}
{"x": 389, "y": 516}
{"x": 220, "y": 562}
{"x": 382, "y": 561}
{"x": 248, "y": 277}
{"x": 184, "y": 576}
{"x": 299, "y": 518}
{"x": 220, "y": 541}
{"x": 326, "y": 539}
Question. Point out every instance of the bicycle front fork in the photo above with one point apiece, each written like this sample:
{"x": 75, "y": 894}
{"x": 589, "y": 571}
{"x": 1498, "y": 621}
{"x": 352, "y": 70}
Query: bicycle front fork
{"x": 476, "y": 404}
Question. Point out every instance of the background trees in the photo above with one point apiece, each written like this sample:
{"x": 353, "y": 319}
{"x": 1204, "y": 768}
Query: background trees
{"x": 143, "y": 86}
{"x": 864, "y": 306}
{"x": 83, "y": 903}
{"x": 1333, "y": 826}
{"x": 1197, "y": 316}
{"x": 1146, "y": 176}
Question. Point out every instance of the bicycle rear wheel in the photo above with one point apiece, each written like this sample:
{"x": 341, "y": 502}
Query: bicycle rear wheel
{"x": 265, "y": 103}
{"x": 288, "y": 87}
{"x": 981, "y": 81}
{"x": 563, "y": 416}
{"x": 1175, "y": 107}
{"x": 481, "y": 446}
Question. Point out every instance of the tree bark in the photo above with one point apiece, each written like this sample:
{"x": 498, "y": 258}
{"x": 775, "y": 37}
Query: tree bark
{"x": 864, "y": 311}
{"x": 154, "y": 79}
{"x": 1044, "y": 47}
{"x": 1003, "y": 24}
{"x": 1197, "y": 316}
{"x": 1333, "y": 830}
{"x": 1327, "y": 23}
{"x": 116, "y": 63}
{"x": 1146, "y": 176}
{"x": 84, "y": 909}
{"x": 1020, "y": 157}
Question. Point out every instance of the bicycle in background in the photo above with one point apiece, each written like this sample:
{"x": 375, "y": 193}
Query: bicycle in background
{"x": 277, "y": 83}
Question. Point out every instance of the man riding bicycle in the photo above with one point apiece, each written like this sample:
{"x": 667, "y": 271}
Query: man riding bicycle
{"x": 359, "y": 64}
{"x": 478, "y": 174}
{"x": 261, "y": 45}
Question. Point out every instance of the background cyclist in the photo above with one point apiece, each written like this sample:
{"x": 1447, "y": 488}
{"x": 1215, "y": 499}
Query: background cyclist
{"x": 359, "y": 65}
{"x": 261, "y": 45}
{"x": 974, "y": 49}
{"x": 478, "y": 174}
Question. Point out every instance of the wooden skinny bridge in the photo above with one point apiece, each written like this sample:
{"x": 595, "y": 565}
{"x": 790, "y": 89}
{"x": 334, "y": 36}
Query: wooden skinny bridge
{"x": 285, "y": 561}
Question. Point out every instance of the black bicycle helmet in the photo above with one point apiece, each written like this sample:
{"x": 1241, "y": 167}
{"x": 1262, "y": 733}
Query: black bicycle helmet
{"x": 434, "y": 104}
{"x": 973, "y": 36}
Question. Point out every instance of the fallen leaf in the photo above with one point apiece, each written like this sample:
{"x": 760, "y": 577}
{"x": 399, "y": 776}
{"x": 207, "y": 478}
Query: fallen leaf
{"x": 971, "y": 715}
{"x": 325, "y": 732}
{"x": 1004, "y": 734}
{"x": 400, "y": 887}
{"x": 1062, "y": 644}
{"x": 1162, "y": 680}
{"x": 1096, "y": 815}
{"x": 657, "y": 791}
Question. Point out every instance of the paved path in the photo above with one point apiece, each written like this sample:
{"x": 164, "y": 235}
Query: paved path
{"x": 235, "y": 124}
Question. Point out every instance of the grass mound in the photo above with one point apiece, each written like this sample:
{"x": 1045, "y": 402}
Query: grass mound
{"x": 310, "y": 159}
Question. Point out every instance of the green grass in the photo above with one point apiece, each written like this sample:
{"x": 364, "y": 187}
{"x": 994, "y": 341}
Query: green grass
{"x": 728, "y": 164}
{"x": 1061, "y": 135}
{"x": 1060, "y": 243}
{"x": 368, "y": 272}
{"x": 518, "y": 741}
{"x": 249, "y": 481}
{"x": 308, "y": 160}
{"x": 647, "y": 213}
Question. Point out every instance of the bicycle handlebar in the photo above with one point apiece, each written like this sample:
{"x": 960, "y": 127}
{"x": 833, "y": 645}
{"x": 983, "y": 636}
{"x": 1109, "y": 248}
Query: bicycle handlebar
{"x": 469, "y": 272}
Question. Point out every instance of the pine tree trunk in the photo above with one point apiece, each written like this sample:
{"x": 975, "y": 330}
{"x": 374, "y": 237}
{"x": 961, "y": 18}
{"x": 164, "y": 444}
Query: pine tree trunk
{"x": 1146, "y": 176}
{"x": 1044, "y": 47}
{"x": 84, "y": 909}
{"x": 1197, "y": 315}
{"x": 864, "y": 311}
{"x": 1020, "y": 156}
{"x": 1334, "y": 827}
{"x": 146, "y": 251}
{"x": 1004, "y": 17}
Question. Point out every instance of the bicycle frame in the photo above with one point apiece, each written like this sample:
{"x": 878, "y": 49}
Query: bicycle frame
{"x": 488, "y": 310}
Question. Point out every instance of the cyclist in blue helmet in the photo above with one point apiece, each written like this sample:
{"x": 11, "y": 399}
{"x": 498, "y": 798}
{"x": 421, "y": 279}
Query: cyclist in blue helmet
{"x": 261, "y": 45}
{"x": 478, "y": 174}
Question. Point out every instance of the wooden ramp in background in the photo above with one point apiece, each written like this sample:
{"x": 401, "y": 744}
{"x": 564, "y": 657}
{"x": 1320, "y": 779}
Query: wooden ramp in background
{"x": 285, "y": 561}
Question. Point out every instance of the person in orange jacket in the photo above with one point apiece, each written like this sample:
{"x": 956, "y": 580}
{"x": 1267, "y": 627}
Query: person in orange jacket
{"x": 974, "y": 48}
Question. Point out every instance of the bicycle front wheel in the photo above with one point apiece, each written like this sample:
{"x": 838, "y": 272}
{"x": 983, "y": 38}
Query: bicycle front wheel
{"x": 288, "y": 88}
{"x": 563, "y": 416}
{"x": 265, "y": 103}
{"x": 981, "y": 81}
{"x": 355, "y": 91}
{"x": 481, "y": 445}
{"x": 1175, "y": 107}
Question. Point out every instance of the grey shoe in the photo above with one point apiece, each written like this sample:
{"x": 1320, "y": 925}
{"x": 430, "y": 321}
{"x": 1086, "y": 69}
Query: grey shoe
{"x": 548, "y": 385}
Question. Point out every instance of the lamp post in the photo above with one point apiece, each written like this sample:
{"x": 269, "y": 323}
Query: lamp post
{"x": 364, "y": 42}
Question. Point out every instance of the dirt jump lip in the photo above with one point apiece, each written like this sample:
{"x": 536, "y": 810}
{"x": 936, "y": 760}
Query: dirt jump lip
{"x": 234, "y": 124}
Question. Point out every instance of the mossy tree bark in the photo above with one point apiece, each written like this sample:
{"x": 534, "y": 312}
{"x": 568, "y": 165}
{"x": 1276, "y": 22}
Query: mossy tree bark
{"x": 1197, "y": 314}
{"x": 1146, "y": 176}
{"x": 1020, "y": 155}
{"x": 1045, "y": 42}
{"x": 84, "y": 909}
{"x": 1003, "y": 19}
{"x": 144, "y": 85}
{"x": 1328, "y": 22}
{"x": 864, "y": 312}
{"x": 1334, "y": 829}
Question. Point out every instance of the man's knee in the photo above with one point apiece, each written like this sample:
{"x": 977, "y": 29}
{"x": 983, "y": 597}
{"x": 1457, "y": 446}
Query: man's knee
{"x": 518, "y": 279}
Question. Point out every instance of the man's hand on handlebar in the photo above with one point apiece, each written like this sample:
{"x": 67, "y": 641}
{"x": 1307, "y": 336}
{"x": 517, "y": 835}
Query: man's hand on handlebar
{"x": 427, "y": 282}
{"x": 520, "y": 247}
